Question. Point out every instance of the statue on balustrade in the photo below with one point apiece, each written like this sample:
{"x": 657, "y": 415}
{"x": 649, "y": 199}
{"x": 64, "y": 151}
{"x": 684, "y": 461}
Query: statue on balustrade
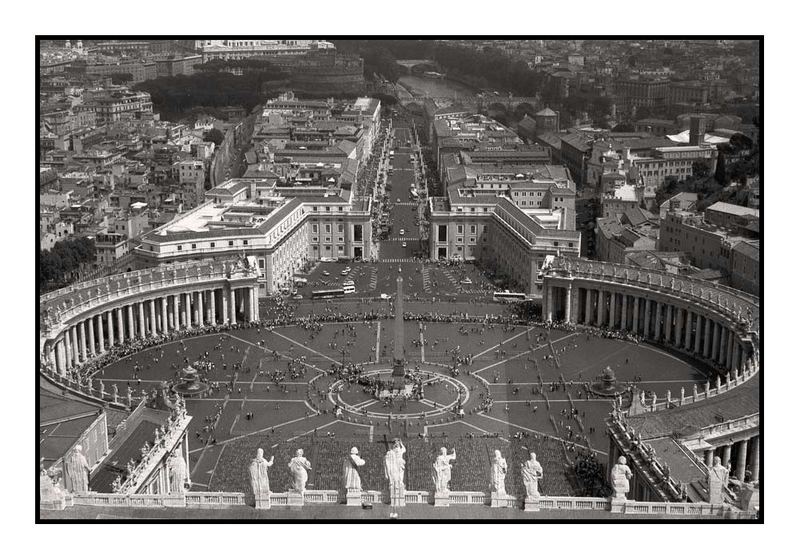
{"x": 532, "y": 472}
{"x": 394, "y": 466}
{"x": 717, "y": 482}
{"x": 620, "y": 478}
{"x": 176, "y": 466}
{"x": 77, "y": 471}
{"x": 352, "y": 480}
{"x": 259, "y": 477}
{"x": 299, "y": 466}
{"x": 49, "y": 489}
{"x": 499, "y": 470}
{"x": 442, "y": 471}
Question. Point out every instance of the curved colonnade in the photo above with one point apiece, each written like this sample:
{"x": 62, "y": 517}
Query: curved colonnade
{"x": 83, "y": 322}
{"x": 716, "y": 324}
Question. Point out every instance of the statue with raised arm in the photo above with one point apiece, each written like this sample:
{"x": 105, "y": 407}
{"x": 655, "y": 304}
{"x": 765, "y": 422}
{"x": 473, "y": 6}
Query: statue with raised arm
{"x": 352, "y": 480}
{"x": 442, "y": 470}
{"x": 77, "y": 471}
{"x": 531, "y": 473}
{"x": 395, "y": 466}
{"x": 717, "y": 482}
{"x": 259, "y": 478}
{"x": 620, "y": 478}
{"x": 499, "y": 470}
{"x": 299, "y": 466}
{"x": 176, "y": 466}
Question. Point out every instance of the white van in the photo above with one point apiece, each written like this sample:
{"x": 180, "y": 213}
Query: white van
{"x": 349, "y": 289}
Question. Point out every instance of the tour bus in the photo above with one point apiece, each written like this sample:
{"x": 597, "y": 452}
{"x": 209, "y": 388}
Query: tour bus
{"x": 506, "y": 297}
{"x": 328, "y": 294}
{"x": 349, "y": 289}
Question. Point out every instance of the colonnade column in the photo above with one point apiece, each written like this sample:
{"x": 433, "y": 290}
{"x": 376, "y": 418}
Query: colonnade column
{"x": 153, "y": 329}
{"x": 647, "y": 318}
{"x": 715, "y": 342}
{"x": 225, "y": 306}
{"x": 707, "y": 339}
{"x": 709, "y": 458}
{"x": 612, "y": 309}
{"x": 120, "y": 325}
{"x": 131, "y": 334}
{"x": 213, "y": 302}
{"x": 201, "y": 308}
{"x": 741, "y": 460}
{"x": 636, "y": 314}
{"x": 60, "y": 358}
{"x": 82, "y": 337}
{"x": 76, "y": 356}
{"x": 186, "y": 312}
{"x": 659, "y": 312}
{"x": 624, "y": 321}
{"x": 256, "y": 313}
{"x": 698, "y": 335}
{"x": 668, "y": 326}
{"x": 110, "y": 321}
{"x": 587, "y": 318}
{"x": 687, "y": 343}
{"x": 164, "y": 316}
{"x": 68, "y": 348}
{"x": 678, "y": 326}
{"x": 142, "y": 327}
{"x": 729, "y": 359}
{"x": 92, "y": 347}
{"x": 726, "y": 455}
{"x": 601, "y": 309}
{"x": 567, "y": 309}
{"x": 233, "y": 306}
{"x": 100, "y": 334}
{"x": 176, "y": 317}
{"x": 755, "y": 457}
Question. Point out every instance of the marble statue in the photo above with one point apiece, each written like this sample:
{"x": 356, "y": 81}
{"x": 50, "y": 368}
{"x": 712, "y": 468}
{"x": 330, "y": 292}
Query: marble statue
{"x": 259, "y": 478}
{"x": 717, "y": 482}
{"x": 442, "y": 470}
{"x": 395, "y": 466}
{"x": 49, "y": 490}
{"x": 77, "y": 471}
{"x": 299, "y": 466}
{"x": 176, "y": 466}
{"x": 114, "y": 392}
{"x": 531, "y": 473}
{"x": 499, "y": 470}
{"x": 620, "y": 478}
{"x": 352, "y": 480}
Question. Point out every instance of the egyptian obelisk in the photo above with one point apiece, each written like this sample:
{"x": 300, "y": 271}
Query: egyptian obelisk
{"x": 398, "y": 369}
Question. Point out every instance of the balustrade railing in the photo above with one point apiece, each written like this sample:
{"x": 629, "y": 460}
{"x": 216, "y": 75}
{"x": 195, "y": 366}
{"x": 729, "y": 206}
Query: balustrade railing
{"x": 219, "y": 500}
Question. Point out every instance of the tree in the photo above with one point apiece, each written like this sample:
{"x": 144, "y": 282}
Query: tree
{"x": 214, "y": 135}
{"x": 623, "y": 127}
{"x": 701, "y": 169}
{"x": 719, "y": 174}
{"x": 121, "y": 78}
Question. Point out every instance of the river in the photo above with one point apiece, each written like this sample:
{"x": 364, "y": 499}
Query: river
{"x": 419, "y": 86}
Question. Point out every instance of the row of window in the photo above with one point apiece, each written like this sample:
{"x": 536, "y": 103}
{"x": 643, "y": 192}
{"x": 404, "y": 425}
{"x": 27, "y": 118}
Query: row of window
{"x": 211, "y": 245}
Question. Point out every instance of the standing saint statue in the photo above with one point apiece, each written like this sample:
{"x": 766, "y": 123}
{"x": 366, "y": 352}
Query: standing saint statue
{"x": 531, "y": 473}
{"x": 717, "y": 481}
{"x": 299, "y": 466}
{"x": 259, "y": 479}
{"x": 176, "y": 466}
{"x": 77, "y": 471}
{"x": 395, "y": 466}
{"x": 499, "y": 470}
{"x": 352, "y": 480}
{"x": 620, "y": 478}
{"x": 442, "y": 469}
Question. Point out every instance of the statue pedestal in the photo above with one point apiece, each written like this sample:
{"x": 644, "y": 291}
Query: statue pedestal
{"x": 532, "y": 503}
{"x": 354, "y": 498}
{"x": 295, "y": 499}
{"x": 397, "y": 498}
{"x": 618, "y": 504}
{"x": 263, "y": 502}
{"x": 501, "y": 500}
{"x": 441, "y": 499}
